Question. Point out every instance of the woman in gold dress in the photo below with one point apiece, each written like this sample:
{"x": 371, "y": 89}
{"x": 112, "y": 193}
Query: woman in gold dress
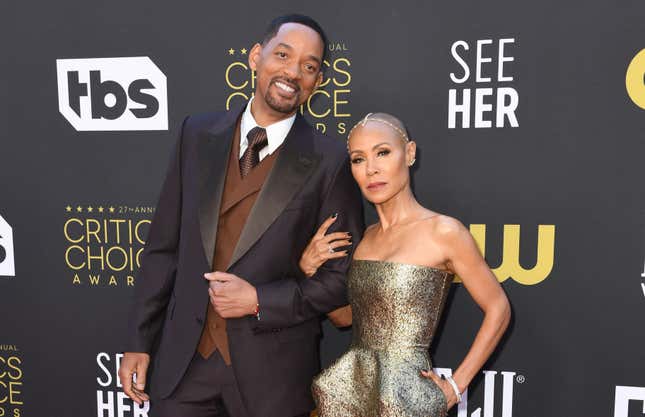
{"x": 397, "y": 286}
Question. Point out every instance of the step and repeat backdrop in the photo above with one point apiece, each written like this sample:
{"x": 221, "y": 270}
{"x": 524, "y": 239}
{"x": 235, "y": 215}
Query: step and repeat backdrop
{"x": 530, "y": 122}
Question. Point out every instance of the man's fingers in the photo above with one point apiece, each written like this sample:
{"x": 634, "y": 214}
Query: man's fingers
{"x": 322, "y": 230}
{"x": 142, "y": 370}
{"x": 126, "y": 382}
{"x": 219, "y": 276}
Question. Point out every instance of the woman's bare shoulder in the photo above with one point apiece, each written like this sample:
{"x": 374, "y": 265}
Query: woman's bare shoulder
{"x": 443, "y": 226}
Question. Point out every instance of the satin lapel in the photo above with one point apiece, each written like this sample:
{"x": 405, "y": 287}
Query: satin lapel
{"x": 291, "y": 169}
{"x": 213, "y": 154}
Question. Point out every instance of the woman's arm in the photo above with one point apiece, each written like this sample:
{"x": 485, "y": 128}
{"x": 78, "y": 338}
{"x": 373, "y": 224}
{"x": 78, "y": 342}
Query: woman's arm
{"x": 321, "y": 248}
{"x": 464, "y": 258}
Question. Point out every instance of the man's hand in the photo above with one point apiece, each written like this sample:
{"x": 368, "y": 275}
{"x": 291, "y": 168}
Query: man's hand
{"x": 230, "y": 295}
{"x": 134, "y": 363}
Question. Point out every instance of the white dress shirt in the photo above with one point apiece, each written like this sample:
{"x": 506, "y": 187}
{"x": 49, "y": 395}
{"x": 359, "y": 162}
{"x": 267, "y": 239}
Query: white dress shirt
{"x": 276, "y": 132}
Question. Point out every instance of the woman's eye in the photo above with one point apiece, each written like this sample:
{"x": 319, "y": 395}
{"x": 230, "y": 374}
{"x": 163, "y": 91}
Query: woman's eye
{"x": 357, "y": 160}
{"x": 281, "y": 54}
{"x": 383, "y": 152}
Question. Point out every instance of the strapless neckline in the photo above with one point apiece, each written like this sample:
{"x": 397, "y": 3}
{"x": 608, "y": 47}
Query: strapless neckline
{"x": 445, "y": 271}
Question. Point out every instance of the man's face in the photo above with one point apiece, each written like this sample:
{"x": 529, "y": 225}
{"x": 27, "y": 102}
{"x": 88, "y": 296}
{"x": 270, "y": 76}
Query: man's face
{"x": 287, "y": 68}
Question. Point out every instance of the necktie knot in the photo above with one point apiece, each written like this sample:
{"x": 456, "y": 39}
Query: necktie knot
{"x": 257, "y": 139}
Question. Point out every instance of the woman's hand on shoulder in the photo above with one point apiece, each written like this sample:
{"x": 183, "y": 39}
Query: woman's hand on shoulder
{"x": 322, "y": 247}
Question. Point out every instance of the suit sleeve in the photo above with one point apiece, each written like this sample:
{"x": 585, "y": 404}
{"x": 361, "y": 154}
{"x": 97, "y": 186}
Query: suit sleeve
{"x": 295, "y": 299}
{"x": 156, "y": 276}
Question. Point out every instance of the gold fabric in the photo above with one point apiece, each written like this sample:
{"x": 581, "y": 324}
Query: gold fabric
{"x": 395, "y": 310}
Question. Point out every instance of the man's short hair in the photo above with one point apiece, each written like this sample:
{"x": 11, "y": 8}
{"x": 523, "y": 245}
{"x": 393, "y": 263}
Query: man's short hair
{"x": 276, "y": 23}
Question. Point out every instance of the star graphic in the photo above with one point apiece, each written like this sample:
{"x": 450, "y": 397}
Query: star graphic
{"x": 231, "y": 51}
{"x": 111, "y": 209}
{"x": 90, "y": 209}
{"x": 243, "y": 50}
{"x": 101, "y": 209}
{"x": 79, "y": 209}
{"x": 68, "y": 209}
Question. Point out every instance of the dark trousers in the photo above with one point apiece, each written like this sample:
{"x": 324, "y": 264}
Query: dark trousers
{"x": 208, "y": 389}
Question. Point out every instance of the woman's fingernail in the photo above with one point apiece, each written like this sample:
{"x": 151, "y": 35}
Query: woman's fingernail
{"x": 349, "y": 234}
{"x": 333, "y": 216}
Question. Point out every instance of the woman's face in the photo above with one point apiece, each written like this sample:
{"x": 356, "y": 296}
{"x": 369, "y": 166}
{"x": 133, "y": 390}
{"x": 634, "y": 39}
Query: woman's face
{"x": 380, "y": 160}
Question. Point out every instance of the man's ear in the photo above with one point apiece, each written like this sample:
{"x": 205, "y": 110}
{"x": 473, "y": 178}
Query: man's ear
{"x": 254, "y": 56}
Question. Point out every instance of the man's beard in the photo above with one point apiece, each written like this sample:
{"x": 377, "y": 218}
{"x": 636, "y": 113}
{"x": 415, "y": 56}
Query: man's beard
{"x": 278, "y": 105}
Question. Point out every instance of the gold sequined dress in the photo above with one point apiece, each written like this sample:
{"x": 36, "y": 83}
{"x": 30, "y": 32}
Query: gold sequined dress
{"x": 395, "y": 310}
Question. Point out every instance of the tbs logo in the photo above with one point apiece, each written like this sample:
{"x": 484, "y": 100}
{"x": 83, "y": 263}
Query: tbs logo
{"x": 629, "y": 399}
{"x": 7, "y": 267}
{"x": 112, "y": 94}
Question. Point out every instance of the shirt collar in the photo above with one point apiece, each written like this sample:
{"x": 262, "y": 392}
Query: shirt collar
{"x": 276, "y": 132}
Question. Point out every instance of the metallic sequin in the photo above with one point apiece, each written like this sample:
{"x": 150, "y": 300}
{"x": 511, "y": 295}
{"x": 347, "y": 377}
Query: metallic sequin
{"x": 395, "y": 310}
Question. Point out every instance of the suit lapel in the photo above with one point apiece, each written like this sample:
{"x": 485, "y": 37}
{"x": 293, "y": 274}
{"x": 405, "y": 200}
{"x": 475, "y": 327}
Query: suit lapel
{"x": 213, "y": 155}
{"x": 291, "y": 169}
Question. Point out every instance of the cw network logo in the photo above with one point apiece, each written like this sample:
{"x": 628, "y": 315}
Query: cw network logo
{"x": 112, "y": 94}
{"x": 508, "y": 385}
{"x": 623, "y": 397}
{"x": 635, "y": 79}
{"x": 510, "y": 266}
{"x": 7, "y": 266}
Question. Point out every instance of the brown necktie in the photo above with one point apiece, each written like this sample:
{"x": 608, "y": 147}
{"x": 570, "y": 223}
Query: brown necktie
{"x": 257, "y": 138}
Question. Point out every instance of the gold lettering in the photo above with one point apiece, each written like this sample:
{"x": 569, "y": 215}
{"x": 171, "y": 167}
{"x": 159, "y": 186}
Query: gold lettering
{"x": 137, "y": 234}
{"x": 125, "y": 258}
{"x": 13, "y": 392}
{"x": 510, "y": 266}
{"x": 337, "y": 101}
{"x": 311, "y": 111}
{"x": 67, "y": 260}
{"x": 325, "y": 80}
{"x": 100, "y": 257}
{"x": 348, "y": 76}
{"x": 95, "y": 232}
{"x": 228, "y": 76}
{"x": 117, "y": 228}
{"x": 238, "y": 93}
{"x": 13, "y": 363}
{"x": 65, "y": 230}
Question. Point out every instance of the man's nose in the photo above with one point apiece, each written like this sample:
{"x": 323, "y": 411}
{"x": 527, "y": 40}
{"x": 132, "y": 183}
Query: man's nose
{"x": 292, "y": 70}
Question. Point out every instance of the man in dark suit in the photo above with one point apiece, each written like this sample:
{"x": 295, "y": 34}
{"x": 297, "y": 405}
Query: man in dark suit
{"x": 245, "y": 192}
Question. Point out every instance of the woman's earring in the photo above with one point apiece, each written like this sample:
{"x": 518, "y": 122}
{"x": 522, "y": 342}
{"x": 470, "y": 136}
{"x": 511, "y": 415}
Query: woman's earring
{"x": 412, "y": 162}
